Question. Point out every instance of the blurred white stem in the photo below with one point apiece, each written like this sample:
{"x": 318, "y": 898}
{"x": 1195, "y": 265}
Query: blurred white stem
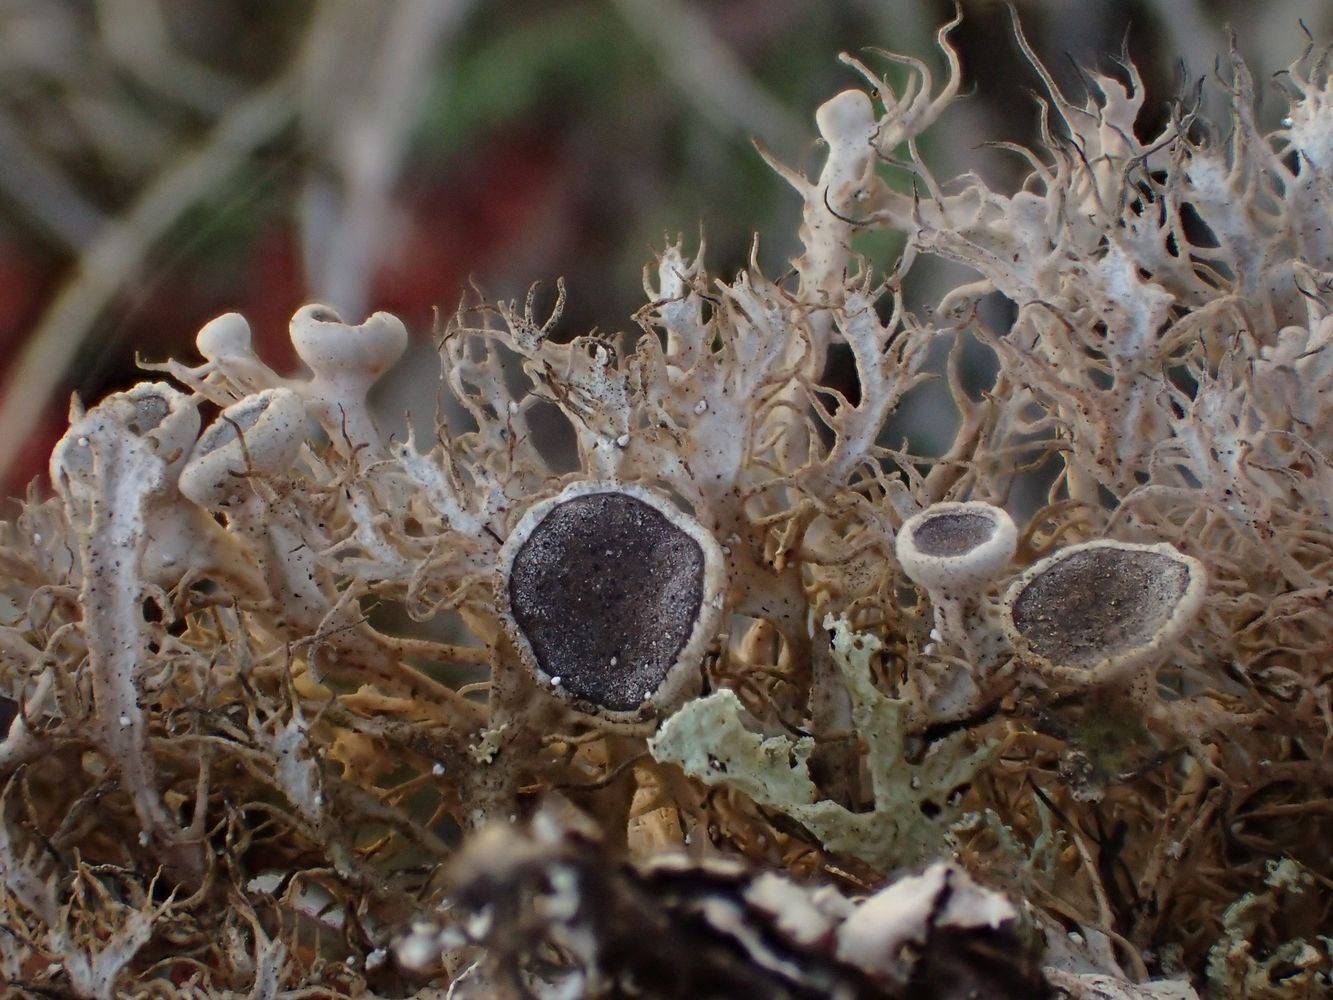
{"x": 709, "y": 75}
{"x": 137, "y": 36}
{"x": 118, "y": 250}
{"x": 360, "y": 103}
{"x": 42, "y": 191}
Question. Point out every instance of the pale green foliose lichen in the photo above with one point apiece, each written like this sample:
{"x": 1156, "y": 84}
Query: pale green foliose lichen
{"x": 912, "y": 813}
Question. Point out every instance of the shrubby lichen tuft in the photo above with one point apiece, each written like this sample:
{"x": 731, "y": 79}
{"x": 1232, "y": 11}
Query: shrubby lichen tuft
{"x": 271, "y": 670}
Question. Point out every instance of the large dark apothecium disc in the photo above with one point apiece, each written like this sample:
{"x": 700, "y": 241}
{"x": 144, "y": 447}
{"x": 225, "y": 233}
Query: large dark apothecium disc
{"x": 607, "y": 592}
{"x": 1097, "y": 600}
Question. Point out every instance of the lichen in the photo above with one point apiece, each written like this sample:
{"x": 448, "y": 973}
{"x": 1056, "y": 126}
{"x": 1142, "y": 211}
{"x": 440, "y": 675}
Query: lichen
{"x": 264, "y": 685}
{"x": 913, "y": 803}
{"x": 1237, "y": 967}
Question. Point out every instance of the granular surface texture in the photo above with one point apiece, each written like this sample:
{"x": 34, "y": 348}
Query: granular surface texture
{"x": 152, "y": 410}
{"x": 1099, "y": 601}
{"x": 952, "y": 534}
{"x": 607, "y": 590}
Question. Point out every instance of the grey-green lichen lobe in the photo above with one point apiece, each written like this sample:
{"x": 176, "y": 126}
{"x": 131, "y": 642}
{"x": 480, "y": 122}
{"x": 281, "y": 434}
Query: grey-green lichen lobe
{"x": 954, "y": 533}
{"x": 1098, "y": 600}
{"x": 912, "y": 810}
{"x": 607, "y": 592}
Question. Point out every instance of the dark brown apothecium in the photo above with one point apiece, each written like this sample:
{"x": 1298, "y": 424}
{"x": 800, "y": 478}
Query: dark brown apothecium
{"x": 1103, "y": 609}
{"x": 956, "y": 546}
{"x": 953, "y": 533}
{"x": 612, "y": 595}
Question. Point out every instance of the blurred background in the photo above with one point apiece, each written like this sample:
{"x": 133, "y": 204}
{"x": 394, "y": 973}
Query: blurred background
{"x": 162, "y": 161}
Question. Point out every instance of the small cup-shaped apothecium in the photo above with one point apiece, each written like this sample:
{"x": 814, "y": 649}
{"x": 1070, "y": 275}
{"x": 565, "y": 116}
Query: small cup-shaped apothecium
{"x": 956, "y": 544}
{"x": 261, "y": 433}
{"x": 164, "y": 416}
{"x": 153, "y": 411}
{"x": 611, "y": 595}
{"x": 223, "y": 337}
{"x": 346, "y": 361}
{"x": 225, "y": 343}
{"x": 1102, "y": 611}
{"x": 954, "y": 551}
{"x": 154, "y": 426}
